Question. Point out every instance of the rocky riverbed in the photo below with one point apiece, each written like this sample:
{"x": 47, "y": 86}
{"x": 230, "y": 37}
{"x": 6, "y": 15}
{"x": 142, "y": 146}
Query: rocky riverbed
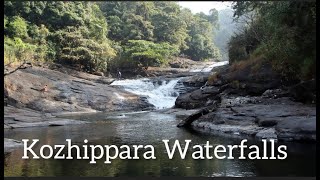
{"x": 69, "y": 92}
{"x": 242, "y": 103}
{"x": 222, "y": 102}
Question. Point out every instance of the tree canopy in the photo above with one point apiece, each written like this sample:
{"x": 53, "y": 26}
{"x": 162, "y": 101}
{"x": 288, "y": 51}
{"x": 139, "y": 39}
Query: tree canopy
{"x": 282, "y": 32}
{"x": 91, "y": 35}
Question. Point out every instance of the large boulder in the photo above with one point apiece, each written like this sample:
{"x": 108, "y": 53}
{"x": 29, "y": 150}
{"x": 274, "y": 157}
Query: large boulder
{"x": 304, "y": 92}
{"x": 250, "y": 79}
{"x": 196, "y": 81}
{"x": 198, "y": 98}
{"x": 194, "y": 116}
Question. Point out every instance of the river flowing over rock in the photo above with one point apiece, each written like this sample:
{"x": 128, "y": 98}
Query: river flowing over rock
{"x": 232, "y": 103}
{"x": 159, "y": 92}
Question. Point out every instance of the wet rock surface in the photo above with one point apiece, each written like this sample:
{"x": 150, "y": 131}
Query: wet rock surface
{"x": 253, "y": 104}
{"x": 23, "y": 118}
{"x": 196, "y": 80}
{"x": 280, "y": 119}
{"x": 68, "y": 91}
{"x": 26, "y": 118}
{"x": 11, "y": 144}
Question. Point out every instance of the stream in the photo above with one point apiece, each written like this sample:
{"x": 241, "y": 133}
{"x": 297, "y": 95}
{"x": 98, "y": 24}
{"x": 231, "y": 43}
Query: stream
{"x": 161, "y": 93}
{"x": 143, "y": 128}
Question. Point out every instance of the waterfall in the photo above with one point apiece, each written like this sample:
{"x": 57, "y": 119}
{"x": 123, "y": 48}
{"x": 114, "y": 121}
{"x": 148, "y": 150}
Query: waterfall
{"x": 160, "y": 93}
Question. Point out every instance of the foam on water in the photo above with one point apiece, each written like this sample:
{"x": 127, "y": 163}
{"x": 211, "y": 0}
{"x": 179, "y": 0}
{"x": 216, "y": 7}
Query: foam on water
{"x": 162, "y": 94}
{"x": 159, "y": 93}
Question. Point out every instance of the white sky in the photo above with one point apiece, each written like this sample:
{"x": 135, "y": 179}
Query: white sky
{"x": 204, "y": 6}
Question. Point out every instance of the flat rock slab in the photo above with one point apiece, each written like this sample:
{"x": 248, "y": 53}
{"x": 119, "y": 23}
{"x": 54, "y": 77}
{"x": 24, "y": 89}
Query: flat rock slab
{"x": 11, "y": 144}
{"x": 268, "y": 133}
{"x": 299, "y": 128}
{"x": 7, "y": 126}
{"x": 73, "y": 113}
{"x": 249, "y": 130}
{"x": 180, "y": 112}
{"x": 54, "y": 122}
{"x": 67, "y": 92}
{"x": 275, "y": 110}
{"x": 276, "y": 119}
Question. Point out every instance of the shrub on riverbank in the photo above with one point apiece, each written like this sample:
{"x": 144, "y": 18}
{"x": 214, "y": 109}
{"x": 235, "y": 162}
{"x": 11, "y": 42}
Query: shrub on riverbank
{"x": 284, "y": 33}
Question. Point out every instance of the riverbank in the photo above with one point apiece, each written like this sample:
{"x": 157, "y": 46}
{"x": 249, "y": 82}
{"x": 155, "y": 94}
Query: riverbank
{"x": 221, "y": 105}
{"x": 238, "y": 102}
{"x": 67, "y": 91}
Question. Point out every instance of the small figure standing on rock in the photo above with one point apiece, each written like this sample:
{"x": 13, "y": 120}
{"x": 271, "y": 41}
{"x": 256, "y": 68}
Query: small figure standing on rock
{"x": 44, "y": 89}
{"x": 119, "y": 74}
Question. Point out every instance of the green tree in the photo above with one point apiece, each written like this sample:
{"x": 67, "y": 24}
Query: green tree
{"x": 283, "y": 32}
{"x": 146, "y": 53}
{"x": 18, "y": 27}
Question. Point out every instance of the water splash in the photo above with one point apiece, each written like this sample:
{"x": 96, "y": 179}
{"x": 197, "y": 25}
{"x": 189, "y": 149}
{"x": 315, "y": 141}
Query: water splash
{"x": 161, "y": 94}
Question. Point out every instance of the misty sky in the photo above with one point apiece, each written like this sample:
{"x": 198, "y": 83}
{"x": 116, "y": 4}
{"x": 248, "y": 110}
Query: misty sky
{"x": 204, "y": 6}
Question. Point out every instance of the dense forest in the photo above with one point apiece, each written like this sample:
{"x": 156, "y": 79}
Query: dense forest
{"x": 280, "y": 32}
{"x": 105, "y": 36}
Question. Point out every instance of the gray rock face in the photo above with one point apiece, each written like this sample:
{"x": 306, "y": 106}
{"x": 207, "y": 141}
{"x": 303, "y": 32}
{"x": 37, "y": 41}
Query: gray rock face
{"x": 231, "y": 102}
{"x": 196, "y": 80}
{"x": 279, "y": 119}
{"x": 68, "y": 91}
{"x": 270, "y": 113}
{"x": 252, "y": 82}
{"x": 198, "y": 98}
{"x": 11, "y": 144}
{"x": 297, "y": 128}
{"x": 268, "y": 133}
{"x": 22, "y": 118}
{"x": 187, "y": 122}
{"x": 252, "y": 103}
{"x": 181, "y": 113}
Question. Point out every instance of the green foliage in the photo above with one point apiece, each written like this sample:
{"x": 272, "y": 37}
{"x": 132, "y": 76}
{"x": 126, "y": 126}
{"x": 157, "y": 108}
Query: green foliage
{"x": 17, "y": 27}
{"x": 94, "y": 35}
{"x": 284, "y": 32}
{"x": 15, "y": 50}
{"x": 72, "y": 33}
{"x": 200, "y": 43}
{"x": 146, "y": 53}
{"x": 169, "y": 27}
{"x": 75, "y": 49}
{"x": 160, "y": 22}
{"x": 128, "y": 20}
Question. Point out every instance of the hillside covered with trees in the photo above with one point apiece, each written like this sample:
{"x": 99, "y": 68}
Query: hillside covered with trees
{"x": 282, "y": 33}
{"x": 105, "y": 36}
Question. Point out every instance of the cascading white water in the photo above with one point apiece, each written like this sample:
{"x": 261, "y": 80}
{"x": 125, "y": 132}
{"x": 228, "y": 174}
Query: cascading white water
{"x": 159, "y": 93}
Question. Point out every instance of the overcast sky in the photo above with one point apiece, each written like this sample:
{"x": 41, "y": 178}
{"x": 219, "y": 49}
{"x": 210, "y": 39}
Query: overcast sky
{"x": 204, "y": 6}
